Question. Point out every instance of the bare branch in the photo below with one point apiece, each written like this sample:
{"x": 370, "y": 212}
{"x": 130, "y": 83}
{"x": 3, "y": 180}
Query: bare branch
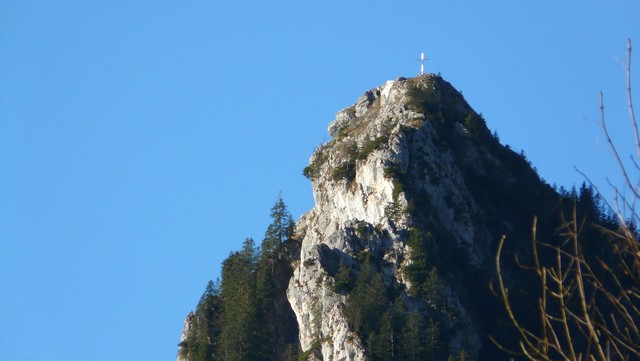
{"x": 589, "y": 302}
{"x": 612, "y": 146}
{"x": 632, "y": 115}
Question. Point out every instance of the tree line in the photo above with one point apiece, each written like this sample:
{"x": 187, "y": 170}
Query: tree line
{"x": 244, "y": 316}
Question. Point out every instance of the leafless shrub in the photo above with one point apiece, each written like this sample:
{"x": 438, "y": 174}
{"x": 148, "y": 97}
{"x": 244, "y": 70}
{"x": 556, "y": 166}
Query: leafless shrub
{"x": 588, "y": 305}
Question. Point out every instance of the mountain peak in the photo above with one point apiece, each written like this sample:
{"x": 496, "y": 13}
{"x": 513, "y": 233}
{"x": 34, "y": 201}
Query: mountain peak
{"x": 391, "y": 169}
{"x": 411, "y": 195}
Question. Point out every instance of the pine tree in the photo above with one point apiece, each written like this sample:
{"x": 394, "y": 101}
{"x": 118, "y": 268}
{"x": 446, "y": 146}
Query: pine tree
{"x": 279, "y": 230}
{"x": 417, "y": 271}
{"x": 383, "y": 344}
{"x": 205, "y": 325}
{"x": 411, "y": 340}
{"x": 265, "y": 336}
{"x": 343, "y": 280}
{"x": 432, "y": 343}
{"x": 433, "y": 290}
{"x": 249, "y": 254}
{"x": 238, "y": 319}
{"x": 291, "y": 353}
{"x": 237, "y": 341}
{"x": 368, "y": 300}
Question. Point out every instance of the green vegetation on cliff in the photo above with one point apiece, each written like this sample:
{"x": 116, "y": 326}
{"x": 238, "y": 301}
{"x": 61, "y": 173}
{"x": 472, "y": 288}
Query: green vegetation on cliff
{"x": 246, "y": 317}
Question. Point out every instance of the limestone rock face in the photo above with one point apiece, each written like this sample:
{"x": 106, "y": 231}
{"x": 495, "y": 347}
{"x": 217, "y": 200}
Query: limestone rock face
{"x": 357, "y": 190}
{"x": 409, "y": 158}
{"x": 186, "y": 331}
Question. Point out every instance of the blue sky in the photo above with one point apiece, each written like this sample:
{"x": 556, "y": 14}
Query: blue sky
{"x": 142, "y": 141}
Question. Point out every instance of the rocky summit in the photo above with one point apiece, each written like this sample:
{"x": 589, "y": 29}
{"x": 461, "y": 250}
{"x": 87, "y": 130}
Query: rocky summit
{"x": 360, "y": 208}
{"x": 394, "y": 260}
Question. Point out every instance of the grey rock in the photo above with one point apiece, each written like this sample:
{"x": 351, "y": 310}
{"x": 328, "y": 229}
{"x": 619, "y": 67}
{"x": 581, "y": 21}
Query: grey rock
{"x": 341, "y": 204}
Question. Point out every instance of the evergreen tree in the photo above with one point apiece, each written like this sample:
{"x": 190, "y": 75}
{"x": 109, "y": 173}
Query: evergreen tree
{"x": 383, "y": 344}
{"x": 249, "y": 254}
{"x": 432, "y": 343}
{"x": 269, "y": 336}
{"x": 291, "y": 353}
{"x": 253, "y": 327}
{"x": 433, "y": 290}
{"x": 205, "y": 325}
{"x": 238, "y": 318}
{"x": 462, "y": 355}
{"x": 343, "y": 280}
{"x": 368, "y": 300}
{"x": 266, "y": 334}
{"x": 411, "y": 340}
{"x": 279, "y": 230}
{"x": 212, "y": 290}
{"x": 417, "y": 271}
{"x": 237, "y": 341}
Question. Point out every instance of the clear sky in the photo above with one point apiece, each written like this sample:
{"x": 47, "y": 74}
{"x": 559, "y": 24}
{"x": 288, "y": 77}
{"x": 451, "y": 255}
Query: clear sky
{"x": 141, "y": 141}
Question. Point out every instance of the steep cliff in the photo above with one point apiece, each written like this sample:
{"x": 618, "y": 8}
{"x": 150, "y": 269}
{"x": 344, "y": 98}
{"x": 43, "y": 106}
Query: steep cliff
{"x": 353, "y": 189}
{"x": 411, "y": 195}
{"x": 411, "y": 154}
{"x": 187, "y": 330}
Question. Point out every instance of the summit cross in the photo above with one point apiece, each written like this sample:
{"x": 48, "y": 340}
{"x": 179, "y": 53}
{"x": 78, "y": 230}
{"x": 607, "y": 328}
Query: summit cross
{"x": 422, "y": 59}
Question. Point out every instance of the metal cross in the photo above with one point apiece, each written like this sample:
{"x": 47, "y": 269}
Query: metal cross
{"x": 422, "y": 59}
